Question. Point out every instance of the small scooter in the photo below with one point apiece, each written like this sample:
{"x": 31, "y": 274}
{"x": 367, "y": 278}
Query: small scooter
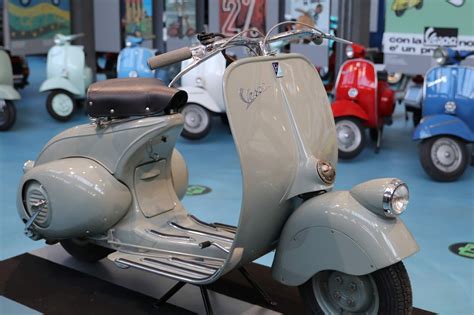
{"x": 113, "y": 188}
{"x": 447, "y": 126}
{"x": 68, "y": 77}
{"x": 363, "y": 99}
{"x": 132, "y": 61}
{"x": 8, "y": 94}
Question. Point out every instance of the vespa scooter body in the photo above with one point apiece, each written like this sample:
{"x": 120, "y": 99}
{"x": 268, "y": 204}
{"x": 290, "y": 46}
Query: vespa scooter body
{"x": 8, "y": 94}
{"x": 132, "y": 61}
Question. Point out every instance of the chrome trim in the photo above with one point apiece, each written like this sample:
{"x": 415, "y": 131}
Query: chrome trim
{"x": 202, "y": 233}
{"x": 169, "y": 236}
{"x": 326, "y": 172}
{"x": 202, "y": 223}
{"x": 388, "y": 195}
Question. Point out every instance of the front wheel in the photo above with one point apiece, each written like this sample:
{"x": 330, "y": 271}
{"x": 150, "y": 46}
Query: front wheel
{"x": 60, "y": 105}
{"x": 7, "y": 115}
{"x": 83, "y": 250}
{"x": 350, "y": 137}
{"x": 444, "y": 158}
{"x": 385, "y": 291}
{"x": 197, "y": 121}
{"x": 399, "y": 12}
{"x": 419, "y": 5}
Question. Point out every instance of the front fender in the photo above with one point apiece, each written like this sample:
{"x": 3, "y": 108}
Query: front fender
{"x": 200, "y": 96}
{"x": 341, "y": 108}
{"x": 435, "y": 125}
{"x": 335, "y": 232}
{"x": 8, "y": 93}
{"x": 59, "y": 83}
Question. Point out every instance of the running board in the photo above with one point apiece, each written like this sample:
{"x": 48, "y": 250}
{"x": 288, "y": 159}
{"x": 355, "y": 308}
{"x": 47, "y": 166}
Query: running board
{"x": 181, "y": 268}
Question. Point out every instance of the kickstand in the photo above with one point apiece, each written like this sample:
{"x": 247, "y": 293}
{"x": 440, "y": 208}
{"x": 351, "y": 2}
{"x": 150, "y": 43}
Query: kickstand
{"x": 379, "y": 140}
{"x": 178, "y": 286}
{"x": 257, "y": 287}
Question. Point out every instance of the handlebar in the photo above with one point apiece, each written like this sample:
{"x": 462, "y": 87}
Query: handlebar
{"x": 169, "y": 58}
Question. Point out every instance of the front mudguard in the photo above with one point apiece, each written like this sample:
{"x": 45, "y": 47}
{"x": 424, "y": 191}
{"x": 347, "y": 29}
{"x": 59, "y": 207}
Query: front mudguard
{"x": 342, "y": 108}
{"x": 201, "y": 97}
{"x": 59, "y": 83}
{"x": 335, "y": 232}
{"x": 7, "y": 92}
{"x": 435, "y": 125}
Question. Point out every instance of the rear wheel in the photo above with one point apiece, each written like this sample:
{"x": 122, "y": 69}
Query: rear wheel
{"x": 61, "y": 105}
{"x": 419, "y": 5}
{"x": 444, "y": 158}
{"x": 83, "y": 250}
{"x": 7, "y": 115}
{"x": 385, "y": 291}
{"x": 350, "y": 137}
{"x": 399, "y": 12}
{"x": 197, "y": 121}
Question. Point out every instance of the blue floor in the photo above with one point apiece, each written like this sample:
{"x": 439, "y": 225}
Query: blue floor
{"x": 439, "y": 214}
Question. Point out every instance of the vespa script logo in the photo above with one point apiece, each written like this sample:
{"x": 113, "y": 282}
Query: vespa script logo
{"x": 438, "y": 36}
{"x": 250, "y": 95}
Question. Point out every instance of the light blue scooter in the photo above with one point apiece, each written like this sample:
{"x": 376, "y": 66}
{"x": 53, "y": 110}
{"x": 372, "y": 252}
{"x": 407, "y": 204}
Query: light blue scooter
{"x": 132, "y": 61}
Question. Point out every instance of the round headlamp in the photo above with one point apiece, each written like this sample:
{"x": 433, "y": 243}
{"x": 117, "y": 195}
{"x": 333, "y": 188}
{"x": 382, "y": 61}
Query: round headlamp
{"x": 133, "y": 74}
{"x": 349, "y": 52}
{"x": 395, "y": 198}
{"x": 440, "y": 55}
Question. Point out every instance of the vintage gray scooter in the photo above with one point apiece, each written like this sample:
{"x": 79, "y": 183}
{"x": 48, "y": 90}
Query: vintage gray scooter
{"x": 113, "y": 188}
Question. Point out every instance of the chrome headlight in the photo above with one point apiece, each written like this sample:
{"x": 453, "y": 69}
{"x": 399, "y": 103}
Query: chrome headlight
{"x": 395, "y": 198}
{"x": 349, "y": 52}
{"x": 387, "y": 197}
{"x": 133, "y": 74}
{"x": 440, "y": 55}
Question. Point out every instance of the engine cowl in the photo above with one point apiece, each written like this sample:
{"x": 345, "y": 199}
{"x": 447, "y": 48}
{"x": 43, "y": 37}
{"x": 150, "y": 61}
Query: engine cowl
{"x": 76, "y": 197}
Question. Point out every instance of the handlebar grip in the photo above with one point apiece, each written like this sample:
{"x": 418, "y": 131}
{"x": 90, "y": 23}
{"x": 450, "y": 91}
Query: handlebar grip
{"x": 169, "y": 58}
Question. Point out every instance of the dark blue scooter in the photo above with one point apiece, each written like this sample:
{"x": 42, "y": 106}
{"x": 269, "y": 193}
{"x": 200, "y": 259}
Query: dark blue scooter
{"x": 447, "y": 126}
{"x": 132, "y": 61}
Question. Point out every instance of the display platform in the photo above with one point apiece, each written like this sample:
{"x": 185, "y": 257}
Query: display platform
{"x": 50, "y": 281}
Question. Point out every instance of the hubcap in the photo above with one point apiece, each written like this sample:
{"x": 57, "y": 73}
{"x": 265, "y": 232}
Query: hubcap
{"x": 62, "y": 105}
{"x": 195, "y": 118}
{"x": 446, "y": 154}
{"x": 337, "y": 292}
{"x": 348, "y": 135}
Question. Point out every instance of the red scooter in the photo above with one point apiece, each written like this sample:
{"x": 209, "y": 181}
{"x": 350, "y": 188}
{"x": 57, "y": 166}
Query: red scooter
{"x": 363, "y": 99}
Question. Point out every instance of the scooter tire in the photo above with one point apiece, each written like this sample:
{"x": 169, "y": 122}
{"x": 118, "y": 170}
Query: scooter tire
{"x": 196, "y": 135}
{"x": 50, "y": 108}
{"x": 9, "y": 116}
{"x": 348, "y": 155}
{"x": 399, "y": 13}
{"x": 430, "y": 167}
{"x": 393, "y": 290}
{"x": 84, "y": 251}
{"x": 419, "y": 5}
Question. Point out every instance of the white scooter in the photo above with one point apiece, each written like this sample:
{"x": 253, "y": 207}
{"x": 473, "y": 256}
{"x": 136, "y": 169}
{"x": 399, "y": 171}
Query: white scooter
{"x": 68, "y": 77}
{"x": 7, "y": 93}
{"x": 205, "y": 97}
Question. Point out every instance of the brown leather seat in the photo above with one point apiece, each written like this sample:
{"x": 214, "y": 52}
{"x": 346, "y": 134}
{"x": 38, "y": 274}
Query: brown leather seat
{"x": 132, "y": 97}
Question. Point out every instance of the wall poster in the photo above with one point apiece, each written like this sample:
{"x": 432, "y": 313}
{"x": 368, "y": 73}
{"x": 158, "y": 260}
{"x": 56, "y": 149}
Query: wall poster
{"x": 180, "y": 18}
{"x": 238, "y": 15}
{"x": 313, "y": 12}
{"x": 137, "y": 18}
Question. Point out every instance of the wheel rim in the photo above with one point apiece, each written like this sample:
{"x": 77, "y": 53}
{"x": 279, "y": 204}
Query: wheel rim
{"x": 349, "y": 135}
{"x": 446, "y": 155}
{"x": 337, "y": 293}
{"x": 195, "y": 118}
{"x": 62, "y": 104}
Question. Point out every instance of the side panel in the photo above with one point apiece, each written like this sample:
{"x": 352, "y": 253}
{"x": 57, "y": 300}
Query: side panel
{"x": 334, "y": 232}
{"x": 281, "y": 120}
{"x": 134, "y": 59}
{"x": 436, "y": 125}
{"x": 7, "y": 92}
{"x": 342, "y": 108}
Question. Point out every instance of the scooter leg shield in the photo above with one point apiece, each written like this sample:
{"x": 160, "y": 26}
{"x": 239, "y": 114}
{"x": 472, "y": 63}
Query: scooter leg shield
{"x": 335, "y": 232}
{"x": 75, "y": 197}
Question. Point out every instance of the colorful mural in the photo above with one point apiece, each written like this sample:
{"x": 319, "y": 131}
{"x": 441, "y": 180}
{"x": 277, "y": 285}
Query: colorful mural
{"x": 180, "y": 18}
{"x": 238, "y": 15}
{"x": 38, "y": 19}
{"x": 137, "y": 17}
